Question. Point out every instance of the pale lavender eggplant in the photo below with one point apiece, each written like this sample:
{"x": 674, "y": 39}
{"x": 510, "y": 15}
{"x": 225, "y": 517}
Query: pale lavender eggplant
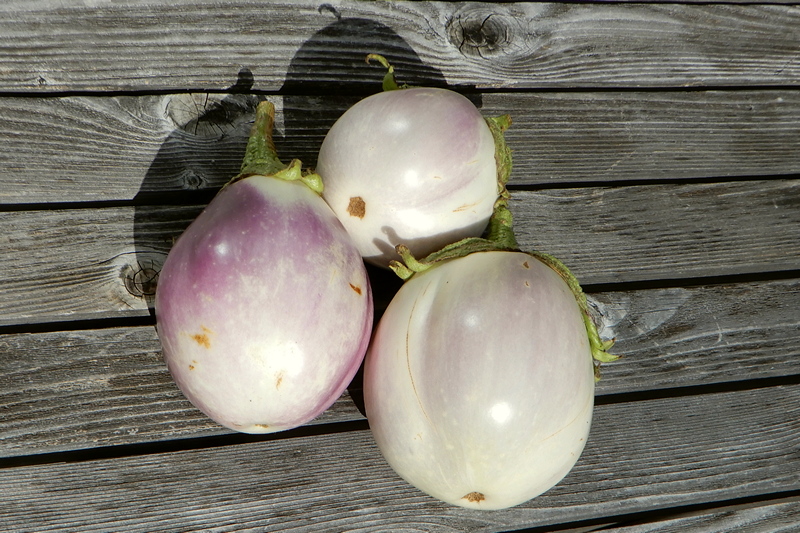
{"x": 264, "y": 307}
{"x": 479, "y": 381}
{"x": 411, "y": 166}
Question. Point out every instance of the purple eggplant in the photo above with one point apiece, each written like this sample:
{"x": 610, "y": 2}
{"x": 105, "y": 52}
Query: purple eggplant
{"x": 263, "y": 306}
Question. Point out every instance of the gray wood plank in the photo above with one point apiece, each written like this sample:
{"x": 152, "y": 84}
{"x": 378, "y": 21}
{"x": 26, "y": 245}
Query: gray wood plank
{"x": 668, "y": 231}
{"x": 640, "y": 456}
{"x": 76, "y": 149}
{"x": 109, "y": 148}
{"x": 204, "y": 44}
{"x": 680, "y": 337}
{"x": 90, "y": 263}
{"x": 69, "y": 390}
{"x": 601, "y": 136}
{"x": 777, "y": 517}
{"x": 84, "y": 263}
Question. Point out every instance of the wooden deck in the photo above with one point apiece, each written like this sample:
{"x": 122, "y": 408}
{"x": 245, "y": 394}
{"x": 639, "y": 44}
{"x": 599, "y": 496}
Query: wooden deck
{"x": 656, "y": 151}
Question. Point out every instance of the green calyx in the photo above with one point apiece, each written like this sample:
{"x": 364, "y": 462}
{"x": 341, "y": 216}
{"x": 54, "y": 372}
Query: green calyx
{"x": 502, "y": 153}
{"x": 261, "y": 158}
{"x": 499, "y": 237}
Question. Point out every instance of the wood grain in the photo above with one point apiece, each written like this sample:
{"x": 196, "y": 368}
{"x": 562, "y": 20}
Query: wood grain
{"x": 680, "y": 337}
{"x": 71, "y": 390}
{"x": 76, "y": 264}
{"x": 671, "y": 231}
{"x": 75, "y": 149}
{"x": 779, "y": 517}
{"x": 640, "y": 455}
{"x": 138, "y": 45}
{"x": 108, "y": 148}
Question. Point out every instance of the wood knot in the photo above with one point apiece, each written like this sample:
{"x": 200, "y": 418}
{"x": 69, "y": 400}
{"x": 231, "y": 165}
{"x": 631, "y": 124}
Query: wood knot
{"x": 209, "y": 116}
{"x": 141, "y": 279}
{"x": 191, "y": 180}
{"x": 480, "y": 34}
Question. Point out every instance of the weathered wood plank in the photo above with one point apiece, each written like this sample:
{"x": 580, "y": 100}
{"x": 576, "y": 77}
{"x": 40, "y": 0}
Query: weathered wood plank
{"x": 79, "y": 389}
{"x": 92, "y": 263}
{"x": 205, "y": 44}
{"x": 640, "y": 456}
{"x": 113, "y": 148}
{"x": 595, "y": 137}
{"x": 669, "y": 231}
{"x": 110, "y": 148}
{"x": 71, "y": 390}
{"x": 679, "y": 337}
{"x": 777, "y": 517}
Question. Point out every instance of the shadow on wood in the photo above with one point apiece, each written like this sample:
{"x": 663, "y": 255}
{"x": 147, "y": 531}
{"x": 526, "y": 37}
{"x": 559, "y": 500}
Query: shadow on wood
{"x": 206, "y": 146}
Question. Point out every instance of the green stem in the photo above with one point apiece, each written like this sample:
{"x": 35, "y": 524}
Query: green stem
{"x": 389, "y": 81}
{"x": 261, "y": 158}
{"x": 502, "y": 153}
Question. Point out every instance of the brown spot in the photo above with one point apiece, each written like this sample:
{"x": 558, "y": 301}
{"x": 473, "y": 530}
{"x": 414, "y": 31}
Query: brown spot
{"x": 356, "y": 288}
{"x": 202, "y": 339}
{"x": 526, "y": 265}
{"x": 357, "y": 207}
{"x": 262, "y": 426}
{"x": 191, "y": 366}
{"x": 474, "y": 497}
{"x": 279, "y": 380}
{"x": 527, "y": 284}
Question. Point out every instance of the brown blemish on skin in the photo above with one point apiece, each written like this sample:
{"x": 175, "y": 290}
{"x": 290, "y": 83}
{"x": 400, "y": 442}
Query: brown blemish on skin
{"x": 356, "y": 288}
{"x": 357, "y": 207}
{"x": 474, "y": 497}
{"x": 191, "y": 366}
{"x": 202, "y": 338}
{"x": 262, "y": 426}
{"x": 527, "y": 284}
{"x": 526, "y": 265}
{"x": 279, "y": 380}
